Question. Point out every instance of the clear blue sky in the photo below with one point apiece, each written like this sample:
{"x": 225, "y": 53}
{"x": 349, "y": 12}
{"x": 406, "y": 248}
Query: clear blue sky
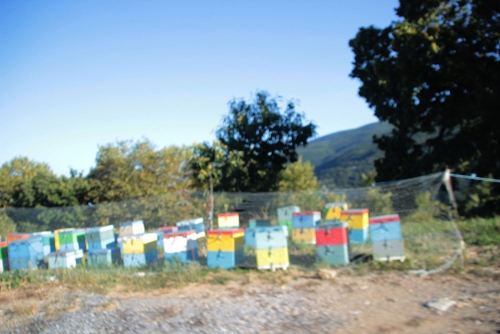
{"x": 78, "y": 74}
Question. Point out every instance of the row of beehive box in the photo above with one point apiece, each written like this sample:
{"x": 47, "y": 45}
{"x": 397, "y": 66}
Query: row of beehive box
{"x": 385, "y": 231}
{"x": 332, "y": 240}
{"x": 65, "y": 247}
{"x": 386, "y": 237}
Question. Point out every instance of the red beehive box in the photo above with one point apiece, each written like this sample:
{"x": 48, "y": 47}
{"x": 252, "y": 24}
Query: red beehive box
{"x": 329, "y": 235}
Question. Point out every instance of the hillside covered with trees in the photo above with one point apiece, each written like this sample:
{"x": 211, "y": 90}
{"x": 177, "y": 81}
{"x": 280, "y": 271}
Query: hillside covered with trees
{"x": 341, "y": 158}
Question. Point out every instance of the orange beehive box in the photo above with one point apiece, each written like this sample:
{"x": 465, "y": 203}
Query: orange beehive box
{"x": 17, "y": 236}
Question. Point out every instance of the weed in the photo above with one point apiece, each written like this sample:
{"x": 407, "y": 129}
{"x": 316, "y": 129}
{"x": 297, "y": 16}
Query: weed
{"x": 480, "y": 231}
{"x": 24, "y": 308}
{"x": 220, "y": 279}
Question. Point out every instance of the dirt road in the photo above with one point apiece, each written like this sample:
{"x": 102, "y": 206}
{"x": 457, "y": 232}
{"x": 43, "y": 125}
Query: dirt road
{"x": 374, "y": 303}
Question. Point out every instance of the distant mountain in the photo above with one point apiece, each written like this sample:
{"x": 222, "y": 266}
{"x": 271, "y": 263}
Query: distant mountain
{"x": 340, "y": 158}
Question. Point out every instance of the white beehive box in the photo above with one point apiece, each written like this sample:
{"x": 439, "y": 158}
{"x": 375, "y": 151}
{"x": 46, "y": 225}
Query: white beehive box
{"x": 66, "y": 260}
{"x": 132, "y": 228}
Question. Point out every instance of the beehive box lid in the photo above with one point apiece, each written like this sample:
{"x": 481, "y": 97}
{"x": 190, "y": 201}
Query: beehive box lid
{"x": 132, "y": 223}
{"x": 100, "y": 228}
{"x": 307, "y": 213}
{"x": 192, "y": 221}
{"x": 179, "y": 234}
{"x": 168, "y": 228}
{"x": 146, "y": 237}
{"x": 226, "y": 232}
{"x": 43, "y": 234}
{"x": 354, "y": 212}
{"x": 228, "y": 214}
{"x": 385, "y": 219}
{"x": 332, "y": 224}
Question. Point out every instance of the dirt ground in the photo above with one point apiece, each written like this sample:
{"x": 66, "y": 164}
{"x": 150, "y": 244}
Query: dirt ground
{"x": 389, "y": 302}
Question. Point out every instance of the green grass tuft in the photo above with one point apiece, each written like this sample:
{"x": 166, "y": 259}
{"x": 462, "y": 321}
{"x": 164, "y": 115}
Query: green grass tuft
{"x": 481, "y": 231}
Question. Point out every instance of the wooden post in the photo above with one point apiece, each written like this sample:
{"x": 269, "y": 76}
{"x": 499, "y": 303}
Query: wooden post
{"x": 211, "y": 199}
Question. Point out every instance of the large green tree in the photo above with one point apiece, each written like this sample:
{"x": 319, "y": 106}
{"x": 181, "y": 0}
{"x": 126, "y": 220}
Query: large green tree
{"x": 26, "y": 183}
{"x": 129, "y": 170}
{"x": 434, "y": 74}
{"x": 267, "y": 137}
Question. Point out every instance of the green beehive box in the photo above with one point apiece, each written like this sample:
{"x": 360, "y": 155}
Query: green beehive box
{"x": 288, "y": 225}
{"x": 48, "y": 240}
{"x": 4, "y": 250}
{"x": 68, "y": 237}
{"x": 4, "y": 256}
{"x": 259, "y": 223}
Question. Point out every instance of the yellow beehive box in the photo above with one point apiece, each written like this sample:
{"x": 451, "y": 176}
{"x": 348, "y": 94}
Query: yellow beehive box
{"x": 225, "y": 240}
{"x": 356, "y": 218}
{"x": 304, "y": 235}
{"x": 139, "y": 244}
{"x": 273, "y": 257}
{"x": 333, "y": 210}
{"x": 57, "y": 244}
{"x": 230, "y": 219}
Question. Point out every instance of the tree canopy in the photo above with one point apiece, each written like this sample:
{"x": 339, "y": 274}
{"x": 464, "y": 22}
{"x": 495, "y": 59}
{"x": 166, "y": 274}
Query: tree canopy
{"x": 267, "y": 137}
{"x": 434, "y": 75}
{"x": 216, "y": 162}
{"x": 128, "y": 170}
{"x": 26, "y": 183}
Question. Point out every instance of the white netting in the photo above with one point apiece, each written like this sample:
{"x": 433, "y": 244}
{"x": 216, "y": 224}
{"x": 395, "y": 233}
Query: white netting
{"x": 429, "y": 230}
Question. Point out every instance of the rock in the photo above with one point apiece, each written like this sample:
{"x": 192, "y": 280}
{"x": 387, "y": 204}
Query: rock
{"x": 139, "y": 274}
{"x": 441, "y": 304}
{"x": 326, "y": 274}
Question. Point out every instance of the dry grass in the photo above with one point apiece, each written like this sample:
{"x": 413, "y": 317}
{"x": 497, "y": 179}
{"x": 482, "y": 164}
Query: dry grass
{"x": 23, "y": 308}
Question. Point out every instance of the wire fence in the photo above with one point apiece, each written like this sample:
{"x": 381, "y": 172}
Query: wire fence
{"x": 429, "y": 231}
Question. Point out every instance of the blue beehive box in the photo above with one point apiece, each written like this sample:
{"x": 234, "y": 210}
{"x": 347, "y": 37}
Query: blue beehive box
{"x": 23, "y": 263}
{"x": 48, "y": 242}
{"x": 386, "y": 231}
{"x": 225, "y": 260}
{"x": 109, "y": 244}
{"x": 304, "y": 220}
{"x": 358, "y": 236}
{"x": 138, "y": 260}
{"x": 270, "y": 237}
{"x": 384, "y": 228}
{"x": 250, "y": 237}
{"x": 183, "y": 256}
{"x": 26, "y": 253}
